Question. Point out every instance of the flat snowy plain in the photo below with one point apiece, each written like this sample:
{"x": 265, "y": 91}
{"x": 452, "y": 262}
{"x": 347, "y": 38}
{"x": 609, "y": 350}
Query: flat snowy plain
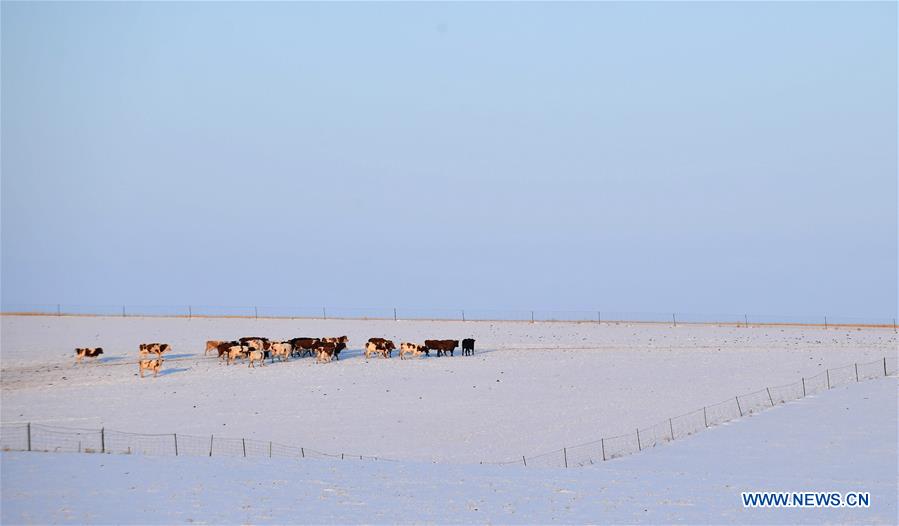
{"x": 842, "y": 440}
{"x": 529, "y": 388}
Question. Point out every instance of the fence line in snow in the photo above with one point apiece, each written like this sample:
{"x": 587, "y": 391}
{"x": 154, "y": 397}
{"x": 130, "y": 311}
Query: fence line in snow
{"x": 397, "y": 314}
{"x": 48, "y": 438}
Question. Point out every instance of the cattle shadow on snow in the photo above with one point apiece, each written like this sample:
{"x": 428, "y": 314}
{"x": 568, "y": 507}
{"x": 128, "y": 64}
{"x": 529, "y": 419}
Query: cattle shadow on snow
{"x": 173, "y": 356}
{"x": 166, "y": 372}
{"x": 110, "y": 359}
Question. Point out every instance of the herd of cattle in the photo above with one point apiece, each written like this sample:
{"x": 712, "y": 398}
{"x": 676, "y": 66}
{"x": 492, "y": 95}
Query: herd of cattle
{"x": 256, "y": 349}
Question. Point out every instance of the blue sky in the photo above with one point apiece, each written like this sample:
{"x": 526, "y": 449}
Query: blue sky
{"x": 691, "y": 157}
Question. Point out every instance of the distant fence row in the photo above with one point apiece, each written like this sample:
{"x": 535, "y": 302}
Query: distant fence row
{"x": 390, "y": 313}
{"x": 48, "y": 438}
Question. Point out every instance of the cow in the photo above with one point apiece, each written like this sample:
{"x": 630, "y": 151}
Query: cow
{"x": 442, "y": 346}
{"x": 151, "y": 365}
{"x": 87, "y": 352}
{"x": 339, "y": 346}
{"x": 212, "y": 344}
{"x": 256, "y": 356}
{"x": 237, "y": 351}
{"x": 412, "y": 348}
{"x": 383, "y": 345}
{"x": 468, "y": 347}
{"x": 145, "y": 349}
{"x": 282, "y": 350}
{"x": 325, "y": 351}
{"x": 379, "y": 346}
{"x": 223, "y": 347}
{"x": 304, "y": 346}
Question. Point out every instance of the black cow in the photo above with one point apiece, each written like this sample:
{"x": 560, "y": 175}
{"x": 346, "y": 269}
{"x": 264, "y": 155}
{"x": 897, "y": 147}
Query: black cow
{"x": 468, "y": 347}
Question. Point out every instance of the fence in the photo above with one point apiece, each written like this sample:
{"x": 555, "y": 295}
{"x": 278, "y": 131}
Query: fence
{"x": 385, "y": 313}
{"x": 54, "y": 439}
{"x": 42, "y": 437}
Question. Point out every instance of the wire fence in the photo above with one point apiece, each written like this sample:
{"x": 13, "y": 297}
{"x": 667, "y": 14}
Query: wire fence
{"x": 48, "y": 438}
{"x": 55, "y": 439}
{"x": 390, "y": 313}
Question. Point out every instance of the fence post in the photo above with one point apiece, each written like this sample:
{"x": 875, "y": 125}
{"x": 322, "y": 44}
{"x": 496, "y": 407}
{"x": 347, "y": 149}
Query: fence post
{"x": 532, "y": 316}
{"x": 828, "y": 378}
{"x": 885, "y": 366}
{"x": 244, "y": 442}
{"x": 674, "y": 318}
{"x": 302, "y": 453}
{"x": 856, "y": 371}
{"x": 463, "y": 314}
{"x": 745, "y": 320}
{"x": 29, "y": 436}
{"x": 705, "y": 417}
{"x": 769, "y": 396}
{"x": 123, "y": 311}
{"x": 737, "y": 398}
{"x": 598, "y": 316}
{"x": 565, "y": 455}
{"x": 894, "y": 325}
{"x": 324, "y": 314}
{"x": 210, "y": 444}
{"x": 639, "y": 446}
{"x": 602, "y": 442}
{"x": 671, "y": 427}
{"x": 255, "y": 312}
{"x": 176, "y": 443}
{"x": 825, "y": 322}
{"x": 102, "y": 440}
{"x": 523, "y": 461}
{"x": 341, "y": 456}
{"x": 190, "y": 312}
{"x": 59, "y": 313}
{"x": 803, "y": 387}
{"x": 270, "y": 449}
{"x": 394, "y": 314}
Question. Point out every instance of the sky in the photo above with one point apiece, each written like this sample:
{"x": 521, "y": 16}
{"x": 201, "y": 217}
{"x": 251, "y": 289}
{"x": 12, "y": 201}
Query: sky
{"x": 645, "y": 157}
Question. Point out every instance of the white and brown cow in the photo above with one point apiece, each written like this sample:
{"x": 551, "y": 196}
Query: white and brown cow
{"x": 159, "y": 349}
{"x": 236, "y": 352}
{"x": 254, "y": 356}
{"x": 282, "y": 350}
{"x": 413, "y": 349}
{"x": 150, "y": 365}
{"x": 325, "y": 351}
{"x": 87, "y": 352}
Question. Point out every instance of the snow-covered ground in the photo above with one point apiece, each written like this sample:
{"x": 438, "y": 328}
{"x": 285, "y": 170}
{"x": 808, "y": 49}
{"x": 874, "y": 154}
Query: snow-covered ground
{"x": 842, "y": 440}
{"x": 529, "y": 388}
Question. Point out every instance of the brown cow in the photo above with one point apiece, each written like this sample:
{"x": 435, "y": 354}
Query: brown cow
{"x": 304, "y": 346}
{"x": 87, "y": 352}
{"x": 212, "y": 344}
{"x": 442, "y": 346}
{"x": 151, "y": 365}
{"x": 412, "y": 348}
{"x": 223, "y": 347}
